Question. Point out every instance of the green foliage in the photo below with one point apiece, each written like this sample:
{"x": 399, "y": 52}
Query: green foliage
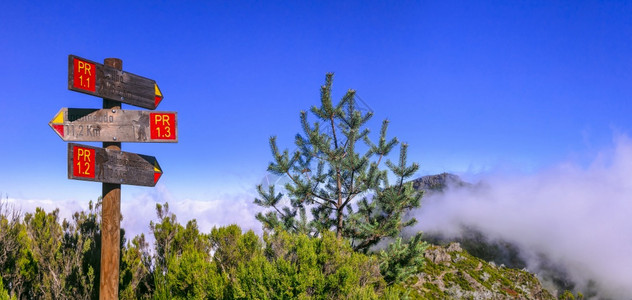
{"x": 568, "y": 295}
{"x": 82, "y": 241}
{"x": 183, "y": 267}
{"x": 327, "y": 174}
{"x": 4, "y": 294}
{"x": 193, "y": 276}
{"x": 232, "y": 247}
{"x": 284, "y": 266}
{"x": 13, "y": 249}
{"x": 344, "y": 190}
{"x": 44, "y": 258}
{"x": 451, "y": 273}
{"x": 297, "y": 266}
{"x": 135, "y": 277}
{"x": 402, "y": 260}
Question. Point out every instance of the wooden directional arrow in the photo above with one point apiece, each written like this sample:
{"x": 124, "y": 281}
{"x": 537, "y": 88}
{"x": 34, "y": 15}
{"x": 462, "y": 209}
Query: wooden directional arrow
{"x": 115, "y": 125}
{"x": 96, "y": 79}
{"x": 111, "y": 166}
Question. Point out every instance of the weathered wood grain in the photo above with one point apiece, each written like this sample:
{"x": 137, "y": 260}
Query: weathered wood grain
{"x": 110, "y": 215}
{"x": 110, "y": 241}
{"x": 112, "y": 84}
{"x": 112, "y": 166}
{"x": 115, "y": 125}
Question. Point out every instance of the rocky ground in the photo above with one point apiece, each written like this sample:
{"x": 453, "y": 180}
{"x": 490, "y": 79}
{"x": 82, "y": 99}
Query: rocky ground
{"x": 451, "y": 273}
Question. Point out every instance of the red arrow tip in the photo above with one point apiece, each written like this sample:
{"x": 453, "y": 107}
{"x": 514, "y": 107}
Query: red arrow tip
{"x": 158, "y": 99}
{"x": 59, "y": 128}
{"x": 158, "y": 94}
{"x": 157, "y": 176}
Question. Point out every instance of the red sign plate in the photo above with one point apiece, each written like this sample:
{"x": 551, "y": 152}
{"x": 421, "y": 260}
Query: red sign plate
{"x": 162, "y": 126}
{"x": 83, "y": 160}
{"x": 84, "y": 75}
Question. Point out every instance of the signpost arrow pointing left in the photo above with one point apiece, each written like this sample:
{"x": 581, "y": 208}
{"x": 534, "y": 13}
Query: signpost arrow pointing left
{"x": 115, "y": 125}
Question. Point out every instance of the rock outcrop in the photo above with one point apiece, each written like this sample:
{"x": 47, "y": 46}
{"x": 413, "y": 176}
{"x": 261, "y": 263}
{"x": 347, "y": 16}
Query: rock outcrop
{"x": 438, "y": 183}
{"x": 451, "y": 273}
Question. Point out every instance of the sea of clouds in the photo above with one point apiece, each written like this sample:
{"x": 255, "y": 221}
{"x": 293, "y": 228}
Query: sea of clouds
{"x": 578, "y": 217}
{"x": 138, "y": 212}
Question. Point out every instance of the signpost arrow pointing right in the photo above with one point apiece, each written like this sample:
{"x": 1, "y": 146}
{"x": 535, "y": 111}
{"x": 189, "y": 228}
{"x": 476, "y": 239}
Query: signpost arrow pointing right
{"x": 157, "y": 95}
{"x": 111, "y": 166}
{"x": 93, "y": 78}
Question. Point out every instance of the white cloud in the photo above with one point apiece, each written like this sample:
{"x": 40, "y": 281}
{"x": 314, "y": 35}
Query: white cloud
{"x": 218, "y": 211}
{"x": 579, "y": 217}
{"x": 141, "y": 209}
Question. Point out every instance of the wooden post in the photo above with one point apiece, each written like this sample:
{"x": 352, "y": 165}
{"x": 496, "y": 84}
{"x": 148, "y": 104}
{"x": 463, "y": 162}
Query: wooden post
{"x": 110, "y": 216}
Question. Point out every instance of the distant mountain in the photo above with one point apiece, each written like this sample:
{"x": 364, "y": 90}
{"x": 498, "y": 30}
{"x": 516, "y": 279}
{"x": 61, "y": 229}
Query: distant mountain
{"x": 439, "y": 182}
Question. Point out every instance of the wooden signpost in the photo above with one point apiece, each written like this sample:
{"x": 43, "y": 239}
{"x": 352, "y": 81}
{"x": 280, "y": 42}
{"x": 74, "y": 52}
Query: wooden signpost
{"x": 104, "y": 165}
{"x": 111, "y": 125}
{"x": 100, "y": 80}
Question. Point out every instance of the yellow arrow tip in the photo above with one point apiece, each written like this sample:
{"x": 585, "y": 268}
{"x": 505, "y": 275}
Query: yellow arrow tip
{"x": 158, "y": 93}
{"x": 158, "y": 96}
{"x": 59, "y": 118}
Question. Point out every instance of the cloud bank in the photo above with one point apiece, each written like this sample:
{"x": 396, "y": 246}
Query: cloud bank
{"x": 218, "y": 211}
{"x": 139, "y": 211}
{"x": 579, "y": 217}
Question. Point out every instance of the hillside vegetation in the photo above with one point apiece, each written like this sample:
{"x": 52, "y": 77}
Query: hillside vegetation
{"x": 451, "y": 273}
{"x": 43, "y": 257}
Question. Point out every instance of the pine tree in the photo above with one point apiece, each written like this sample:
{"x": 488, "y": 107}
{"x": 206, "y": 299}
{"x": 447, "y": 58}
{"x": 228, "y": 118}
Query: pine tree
{"x": 345, "y": 191}
{"x": 401, "y": 260}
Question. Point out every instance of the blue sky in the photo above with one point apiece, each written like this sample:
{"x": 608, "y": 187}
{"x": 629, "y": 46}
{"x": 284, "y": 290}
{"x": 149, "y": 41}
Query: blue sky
{"x": 471, "y": 86}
